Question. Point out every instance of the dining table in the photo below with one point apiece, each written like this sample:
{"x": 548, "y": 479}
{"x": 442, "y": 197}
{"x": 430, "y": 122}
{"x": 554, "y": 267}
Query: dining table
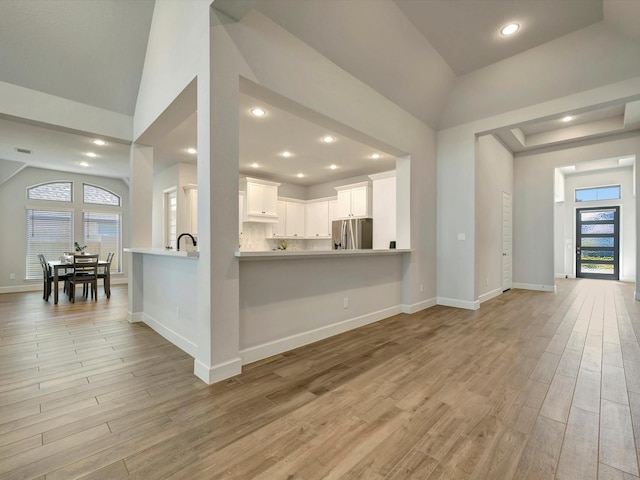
{"x": 56, "y": 265}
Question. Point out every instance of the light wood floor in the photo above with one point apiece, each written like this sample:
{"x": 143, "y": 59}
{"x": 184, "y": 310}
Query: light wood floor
{"x": 533, "y": 385}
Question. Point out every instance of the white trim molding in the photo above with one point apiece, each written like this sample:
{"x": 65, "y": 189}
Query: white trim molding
{"x": 37, "y": 286}
{"x": 217, "y": 372}
{"x": 174, "y": 337}
{"x": 489, "y": 295}
{"x": 258, "y": 352}
{"x": 416, "y": 307}
{"x": 533, "y": 286}
{"x": 453, "y": 302}
{"x": 134, "y": 317}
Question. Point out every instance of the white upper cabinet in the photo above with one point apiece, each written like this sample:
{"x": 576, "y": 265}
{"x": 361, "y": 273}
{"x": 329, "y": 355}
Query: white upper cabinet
{"x": 295, "y": 219}
{"x": 279, "y": 228}
{"x": 384, "y": 209}
{"x": 317, "y": 220}
{"x": 191, "y": 192}
{"x": 353, "y": 201}
{"x": 261, "y": 201}
{"x": 241, "y": 213}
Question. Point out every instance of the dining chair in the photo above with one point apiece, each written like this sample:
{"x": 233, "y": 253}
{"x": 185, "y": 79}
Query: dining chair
{"x": 104, "y": 272}
{"x": 47, "y": 277}
{"x": 85, "y": 272}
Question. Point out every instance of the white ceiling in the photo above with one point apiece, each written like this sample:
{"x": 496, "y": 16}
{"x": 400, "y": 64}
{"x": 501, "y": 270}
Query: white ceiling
{"x": 62, "y": 151}
{"x": 88, "y": 51}
{"x": 413, "y": 52}
{"x": 264, "y": 139}
{"x": 466, "y": 32}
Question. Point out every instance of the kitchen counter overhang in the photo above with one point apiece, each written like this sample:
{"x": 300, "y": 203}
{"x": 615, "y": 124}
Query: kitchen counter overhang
{"x": 163, "y": 252}
{"x": 297, "y": 254}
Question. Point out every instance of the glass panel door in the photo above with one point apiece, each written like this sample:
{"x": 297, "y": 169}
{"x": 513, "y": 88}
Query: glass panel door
{"x": 598, "y": 242}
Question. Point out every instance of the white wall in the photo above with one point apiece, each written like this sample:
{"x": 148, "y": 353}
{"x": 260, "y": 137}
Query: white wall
{"x": 494, "y": 175}
{"x": 533, "y": 211}
{"x": 13, "y": 197}
{"x": 288, "y": 303}
{"x": 565, "y": 212}
{"x": 170, "y": 301}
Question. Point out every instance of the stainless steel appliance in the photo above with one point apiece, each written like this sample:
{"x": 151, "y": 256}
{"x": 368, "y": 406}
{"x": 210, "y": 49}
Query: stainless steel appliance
{"x": 352, "y": 234}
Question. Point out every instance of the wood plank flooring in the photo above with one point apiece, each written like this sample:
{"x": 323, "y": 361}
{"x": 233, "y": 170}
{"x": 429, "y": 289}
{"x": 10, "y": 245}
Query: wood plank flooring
{"x": 533, "y": 385}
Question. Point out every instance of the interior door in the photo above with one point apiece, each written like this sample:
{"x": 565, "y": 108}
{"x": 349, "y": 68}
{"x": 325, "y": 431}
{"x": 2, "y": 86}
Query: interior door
{"x": 507, "y": 242}
{"x": 598, "y": 242}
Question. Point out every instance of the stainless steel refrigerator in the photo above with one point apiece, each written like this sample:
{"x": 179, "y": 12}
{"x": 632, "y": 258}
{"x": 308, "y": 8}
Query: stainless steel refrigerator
{"x": 352, "y": 234}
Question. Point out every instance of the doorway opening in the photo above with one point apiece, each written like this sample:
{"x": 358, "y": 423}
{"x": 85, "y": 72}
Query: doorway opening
{"x": 598, "y": 243}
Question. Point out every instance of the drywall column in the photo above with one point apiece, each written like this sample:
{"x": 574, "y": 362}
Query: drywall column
{"x": 140, "y": 216}
{"x": 218, "y": 293}
{"x": 456, "y": 218}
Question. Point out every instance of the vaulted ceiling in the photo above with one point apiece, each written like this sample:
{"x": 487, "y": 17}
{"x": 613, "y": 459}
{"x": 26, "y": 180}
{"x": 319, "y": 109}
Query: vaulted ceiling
{"x": 441, "y": 60}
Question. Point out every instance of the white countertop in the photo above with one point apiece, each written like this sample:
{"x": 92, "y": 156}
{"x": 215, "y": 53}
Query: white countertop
{"x": 163, "y": 252}
{"x": 293, "y": 254}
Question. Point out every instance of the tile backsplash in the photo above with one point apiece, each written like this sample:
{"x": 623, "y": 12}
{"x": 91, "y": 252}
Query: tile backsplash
{"x": 256, "y": 238}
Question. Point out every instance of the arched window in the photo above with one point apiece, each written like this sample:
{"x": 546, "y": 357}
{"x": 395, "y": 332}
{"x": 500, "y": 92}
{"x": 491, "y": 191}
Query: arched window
{"x": 99, "y": 196}
{"x": 55, "y": 191}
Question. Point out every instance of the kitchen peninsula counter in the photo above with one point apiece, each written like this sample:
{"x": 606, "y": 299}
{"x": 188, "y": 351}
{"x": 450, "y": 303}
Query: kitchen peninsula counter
{"x": 163, "y": 252}
{"x": 297, "y": 254}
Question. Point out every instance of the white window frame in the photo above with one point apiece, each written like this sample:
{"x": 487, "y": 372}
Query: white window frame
{"x": 32, "y": 265}
{"x": 116, "y": 265}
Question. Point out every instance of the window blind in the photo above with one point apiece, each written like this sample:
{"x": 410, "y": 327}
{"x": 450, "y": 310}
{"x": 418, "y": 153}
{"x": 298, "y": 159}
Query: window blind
{"x": 101, "y": 233}
{"x": 49, "y": 232}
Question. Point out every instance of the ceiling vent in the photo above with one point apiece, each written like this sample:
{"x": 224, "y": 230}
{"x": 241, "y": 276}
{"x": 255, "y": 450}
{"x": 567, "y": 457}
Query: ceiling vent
{"x": 23, "y": 150}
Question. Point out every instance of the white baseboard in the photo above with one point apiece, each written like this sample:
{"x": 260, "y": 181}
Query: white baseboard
{"x": 134, "y": 317}
{"x": 627, "y": 279}
{"x": 489, "y": 295}
{"x": 416, "y": 307}
{"x": 253, "y": 354}
{"x": 34, "y": 287}
{"x": 453, "y": 302}
{"x": 178, "y": 340}
{"x": 218, "y": 372}
{"x": 533, "y": 286}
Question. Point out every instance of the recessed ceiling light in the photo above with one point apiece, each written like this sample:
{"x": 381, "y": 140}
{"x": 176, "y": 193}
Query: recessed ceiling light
{"x": 333, "y": 167}
{"x": 91, "y": 154}
{"x": 300, "y": 175}
{"x": 568, "y": 118}
{"x": 255, "y": 165}
{"x": 192, "y": 151}
{"x": 286, "y": 154}
{"x": 257, "y": 112}
{"x": 509, "y": 29}
{"x": 84, "y": 164}
{"x": 97, "y": 141}
{"x": 328, "y": 139}
{"x": 375, "y": 156}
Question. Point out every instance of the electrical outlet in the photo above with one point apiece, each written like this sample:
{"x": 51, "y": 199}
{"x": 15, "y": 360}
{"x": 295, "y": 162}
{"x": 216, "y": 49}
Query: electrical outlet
{"x": 12, "y": 276}
{"x": 345, "y": 302}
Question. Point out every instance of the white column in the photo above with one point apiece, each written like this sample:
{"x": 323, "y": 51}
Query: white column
{"x": 140, "y": 218}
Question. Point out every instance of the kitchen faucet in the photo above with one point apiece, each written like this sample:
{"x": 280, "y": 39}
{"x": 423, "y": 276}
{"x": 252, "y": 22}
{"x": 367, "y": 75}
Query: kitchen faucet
{"x": 182, "y": 235}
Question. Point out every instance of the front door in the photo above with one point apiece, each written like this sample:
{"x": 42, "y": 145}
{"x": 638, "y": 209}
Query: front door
{"x": 598, "y": 242}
